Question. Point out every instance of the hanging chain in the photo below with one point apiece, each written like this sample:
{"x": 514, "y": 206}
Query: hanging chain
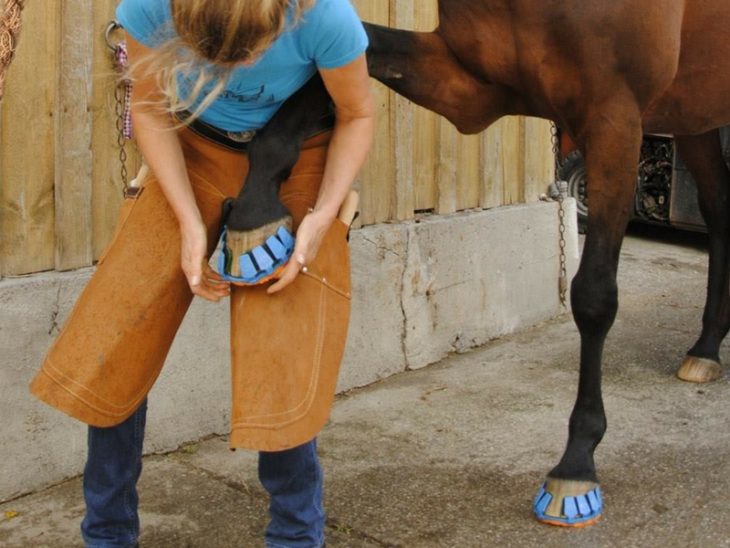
{"x": 562, "y": 190}
{"x": 122, "y": 99}
{"x": 121, "y": 138}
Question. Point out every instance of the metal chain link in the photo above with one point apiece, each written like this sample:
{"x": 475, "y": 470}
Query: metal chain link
{"x": 122, "y": 98}
{"x": 562, "y": 192}
{"x": 119, "y": 108}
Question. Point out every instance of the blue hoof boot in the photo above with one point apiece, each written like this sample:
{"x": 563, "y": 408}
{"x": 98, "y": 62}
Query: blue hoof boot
{"x": 568, "y": 503}
{"x": 256, "y": 265}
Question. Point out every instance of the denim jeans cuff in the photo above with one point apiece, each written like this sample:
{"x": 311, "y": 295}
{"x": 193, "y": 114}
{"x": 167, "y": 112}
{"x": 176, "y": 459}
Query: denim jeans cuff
{"x": 274, "y": 545}
{"x": 87, "y": 544}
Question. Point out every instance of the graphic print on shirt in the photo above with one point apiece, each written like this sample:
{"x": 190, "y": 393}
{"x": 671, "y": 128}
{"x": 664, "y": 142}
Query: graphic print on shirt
{"x": 253, "y": 95}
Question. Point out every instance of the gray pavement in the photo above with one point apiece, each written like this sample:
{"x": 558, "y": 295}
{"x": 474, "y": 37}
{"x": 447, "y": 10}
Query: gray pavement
{"x": 451, "y": 455}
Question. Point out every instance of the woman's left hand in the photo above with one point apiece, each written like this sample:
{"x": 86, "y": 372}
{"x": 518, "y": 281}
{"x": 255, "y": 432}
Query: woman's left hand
{"x": 308, "y": 239}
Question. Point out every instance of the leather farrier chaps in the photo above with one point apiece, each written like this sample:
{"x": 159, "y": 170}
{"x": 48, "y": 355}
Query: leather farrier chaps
{"x": 286, "y": 348}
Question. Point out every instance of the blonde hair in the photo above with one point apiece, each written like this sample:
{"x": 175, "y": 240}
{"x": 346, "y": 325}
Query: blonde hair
{"x": 211, "y": 37}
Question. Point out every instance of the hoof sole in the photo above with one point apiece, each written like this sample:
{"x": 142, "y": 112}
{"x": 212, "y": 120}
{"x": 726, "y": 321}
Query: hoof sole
{"x": 699, "y": 370}
{"x": 241, "y": 242}
{"x": 568, "y": 503}
{"x": 255, "y": 257}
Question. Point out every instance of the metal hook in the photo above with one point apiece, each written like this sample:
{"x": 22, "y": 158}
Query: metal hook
{"x": 111, "y": 27}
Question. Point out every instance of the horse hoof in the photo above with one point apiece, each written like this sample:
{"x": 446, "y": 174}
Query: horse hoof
{"x": 256, "y": 256}
{"x": 699, "y": 370}
{"x": 568, "y": 503}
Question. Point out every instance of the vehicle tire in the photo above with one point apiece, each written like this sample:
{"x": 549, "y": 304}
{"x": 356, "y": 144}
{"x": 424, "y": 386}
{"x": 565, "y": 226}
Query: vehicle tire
{"x": 573, "y": 171}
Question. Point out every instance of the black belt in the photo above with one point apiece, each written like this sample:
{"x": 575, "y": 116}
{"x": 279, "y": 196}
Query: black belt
{"x": 238, "y": 140}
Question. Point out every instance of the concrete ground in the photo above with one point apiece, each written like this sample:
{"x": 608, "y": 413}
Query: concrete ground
{"x": 451, "y": 455}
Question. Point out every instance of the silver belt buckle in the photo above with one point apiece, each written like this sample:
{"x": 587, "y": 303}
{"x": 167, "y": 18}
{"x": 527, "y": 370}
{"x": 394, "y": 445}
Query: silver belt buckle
{"x": 241, "y": 136}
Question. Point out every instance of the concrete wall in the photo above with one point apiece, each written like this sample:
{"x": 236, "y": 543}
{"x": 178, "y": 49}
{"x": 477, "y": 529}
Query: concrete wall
{"x": 422, "y": 290}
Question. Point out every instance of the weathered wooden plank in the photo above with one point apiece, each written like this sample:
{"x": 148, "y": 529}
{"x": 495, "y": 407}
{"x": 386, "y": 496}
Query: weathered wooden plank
{"x": 425, "y": 158}
{"x": 468, "y": 176}
{"x": 539, "y": 160}
{"x": 426, "y": 127}
{"x": 402, "y": 196}
{"x": 513, "y": 138}
{"x": 73, "y": 137}
{"x": 376, "y": 177}
{"x": 448, "y": 156}
{"x": 492, "y": 167}
{"x": 27, "y": 145}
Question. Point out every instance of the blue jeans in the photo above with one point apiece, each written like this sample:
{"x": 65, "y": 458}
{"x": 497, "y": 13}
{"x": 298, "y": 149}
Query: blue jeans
{"x": 293, "y": 479}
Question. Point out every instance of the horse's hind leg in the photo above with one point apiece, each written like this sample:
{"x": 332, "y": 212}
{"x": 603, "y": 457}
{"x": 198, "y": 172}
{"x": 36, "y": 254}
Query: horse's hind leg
{"x": 703, "y": 156}
{"x": 257, "y": 214}
{"x": 272, "y": 155}
{"x": 421, "y": 67}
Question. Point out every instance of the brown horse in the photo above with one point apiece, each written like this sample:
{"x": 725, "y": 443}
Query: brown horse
{"x": 605, "y": 72}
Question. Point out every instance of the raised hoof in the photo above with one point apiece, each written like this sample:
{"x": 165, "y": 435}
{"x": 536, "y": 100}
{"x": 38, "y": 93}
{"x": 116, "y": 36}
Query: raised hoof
{"x": 568, "y": 503}
{"x": 699, "y": 370}
{"x": 255, "y": 256}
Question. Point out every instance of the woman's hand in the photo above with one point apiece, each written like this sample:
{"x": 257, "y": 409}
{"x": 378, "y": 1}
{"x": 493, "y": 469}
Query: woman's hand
{"x": 203, "y": 281}
{"x": 309, "y": 237}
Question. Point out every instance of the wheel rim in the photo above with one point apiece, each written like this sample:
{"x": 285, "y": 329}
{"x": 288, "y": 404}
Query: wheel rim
{"x": 578, "y": 189}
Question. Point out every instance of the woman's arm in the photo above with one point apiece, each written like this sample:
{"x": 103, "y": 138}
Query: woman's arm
{"x": 349, "y": 87}
{"x": 160, "y": 145}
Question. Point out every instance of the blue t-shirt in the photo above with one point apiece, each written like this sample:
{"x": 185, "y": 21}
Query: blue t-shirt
{"x": 329, "y": 35}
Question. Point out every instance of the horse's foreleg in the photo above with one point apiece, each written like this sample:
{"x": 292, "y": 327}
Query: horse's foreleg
{"x": 571, "y": 495}
{"x": 422, "y": 68}
{"x": 703, "y": 156}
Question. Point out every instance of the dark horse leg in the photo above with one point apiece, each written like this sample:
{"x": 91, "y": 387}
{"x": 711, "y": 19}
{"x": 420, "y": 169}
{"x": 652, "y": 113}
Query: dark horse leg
{"x": 612, "y": 137}
{"x": 703, "y": 156}
{"x": 421, "y": 67}
{"x": 256, "y": 213}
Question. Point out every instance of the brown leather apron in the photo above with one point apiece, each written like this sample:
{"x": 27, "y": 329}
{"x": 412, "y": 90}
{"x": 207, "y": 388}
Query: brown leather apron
{"x": 286, "y": 348}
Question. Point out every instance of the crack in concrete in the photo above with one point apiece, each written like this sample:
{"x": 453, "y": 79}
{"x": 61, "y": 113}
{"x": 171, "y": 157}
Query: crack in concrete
{"x": 239, "y": 487}
{"x": 433, "y": 291}
{"x": 335, "y": 524}
{"x": 401, "y": 292}
{"x": 55, "y": 311}
{"x": 381, "y": 248}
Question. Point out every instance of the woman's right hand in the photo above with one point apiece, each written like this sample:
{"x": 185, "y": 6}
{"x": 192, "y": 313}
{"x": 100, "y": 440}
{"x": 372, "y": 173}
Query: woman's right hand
{"x": 203, "y": 280}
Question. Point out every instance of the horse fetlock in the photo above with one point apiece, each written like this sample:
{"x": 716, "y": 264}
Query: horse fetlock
{"x": 576, "y": 465}
{"x": 244, "y": 214}
{"x": 708, "y": 344}
{"x": 577, "y": 462}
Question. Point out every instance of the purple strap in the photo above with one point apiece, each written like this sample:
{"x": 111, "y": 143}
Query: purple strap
{"x": 122, "y": 60}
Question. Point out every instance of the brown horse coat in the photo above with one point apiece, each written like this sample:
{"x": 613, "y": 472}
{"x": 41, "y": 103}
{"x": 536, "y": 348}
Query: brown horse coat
{"x": 605, "y": 72}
